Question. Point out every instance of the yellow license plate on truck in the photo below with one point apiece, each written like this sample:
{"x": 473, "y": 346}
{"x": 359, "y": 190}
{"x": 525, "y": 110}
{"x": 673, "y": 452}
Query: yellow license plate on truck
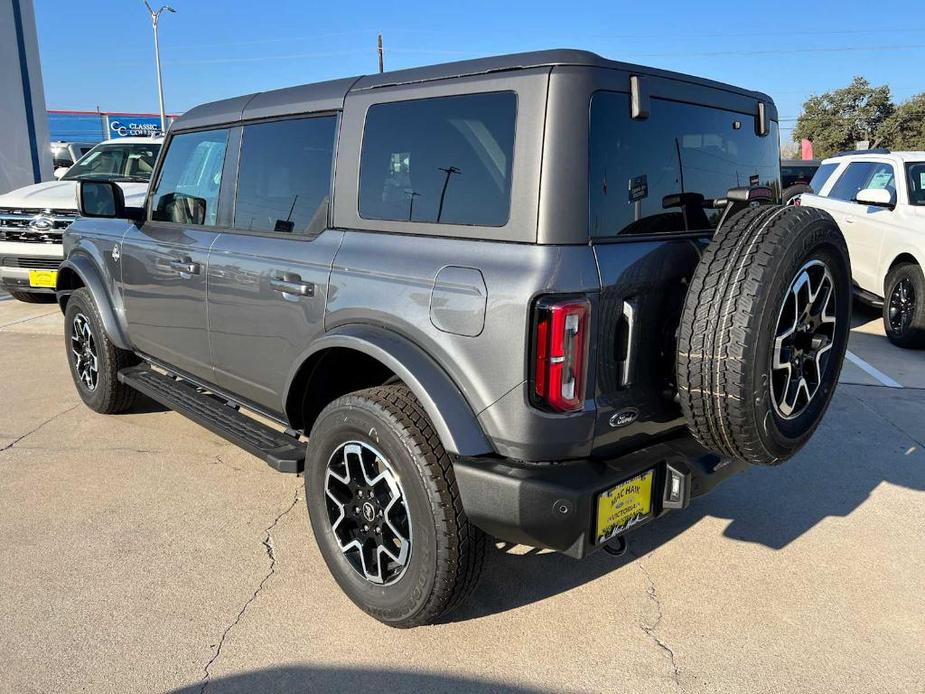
{"x": 623, "y": 506}
{"x": 43, "y": 278}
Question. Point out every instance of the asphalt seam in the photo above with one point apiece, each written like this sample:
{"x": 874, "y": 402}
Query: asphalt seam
{"x": 26, "y": 320}
{"x": 271, "y": 553}
{"x": 35, "y": 429}
{"x": 889, "y": 421}
{"x": 650, "y": 629}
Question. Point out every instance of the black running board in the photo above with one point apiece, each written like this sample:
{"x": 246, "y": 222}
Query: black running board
{"x": 280, "y": 451}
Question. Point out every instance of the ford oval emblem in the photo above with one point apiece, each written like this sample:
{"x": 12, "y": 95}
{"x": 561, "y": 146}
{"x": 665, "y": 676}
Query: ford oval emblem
{"x": 41, "y": 223}
{"x": 624, "y": 418}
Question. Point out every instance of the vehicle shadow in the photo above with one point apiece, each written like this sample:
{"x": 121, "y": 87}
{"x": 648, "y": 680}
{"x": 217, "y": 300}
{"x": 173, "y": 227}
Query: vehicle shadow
{"x": 144, "y": 405}
{"x": 861, "y": 314}
{"x": 855, "y": 451}
{"x": 295, "y": 679}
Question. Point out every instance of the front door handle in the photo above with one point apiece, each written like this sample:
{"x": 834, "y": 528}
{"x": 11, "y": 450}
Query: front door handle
{"x": 849, "y": 221}
{"x": 185, "y": 266}
{"x": 292, "y": 286}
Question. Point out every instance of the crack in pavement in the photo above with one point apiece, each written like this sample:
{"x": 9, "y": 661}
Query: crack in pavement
{"x": 271, "y": 553}
{"x": 220, "y": 461}
{"x": 650, "y": 629}
{"x": 35, "y": 429}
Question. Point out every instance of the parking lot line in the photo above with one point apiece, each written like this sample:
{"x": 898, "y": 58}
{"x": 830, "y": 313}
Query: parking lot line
{"x": 871, "y": 370}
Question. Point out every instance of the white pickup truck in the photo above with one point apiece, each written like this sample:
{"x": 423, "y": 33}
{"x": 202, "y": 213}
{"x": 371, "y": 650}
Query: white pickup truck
{"x": 877, "y": 197}
{"x": 33, "y": 218}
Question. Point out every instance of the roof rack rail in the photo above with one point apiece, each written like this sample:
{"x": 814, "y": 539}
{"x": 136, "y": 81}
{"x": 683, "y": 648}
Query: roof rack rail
{"x": 876, "y": 150}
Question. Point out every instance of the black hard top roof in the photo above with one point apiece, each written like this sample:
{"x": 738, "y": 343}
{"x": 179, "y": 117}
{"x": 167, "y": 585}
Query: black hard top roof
{"x": 329, "y": 96}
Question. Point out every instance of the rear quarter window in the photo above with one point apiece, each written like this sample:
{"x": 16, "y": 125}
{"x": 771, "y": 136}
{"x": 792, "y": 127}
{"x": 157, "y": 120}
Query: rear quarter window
{"x": 821, "y": 177}
{"x": 915, "y": 174}
{"x": 444, "y": 160}
{"x": 661, "y": 174}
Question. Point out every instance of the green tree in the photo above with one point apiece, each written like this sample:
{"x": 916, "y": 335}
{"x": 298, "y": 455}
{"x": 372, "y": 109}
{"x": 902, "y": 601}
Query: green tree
{"x": 834, "y": 121}
{"x": 905, "y": 129}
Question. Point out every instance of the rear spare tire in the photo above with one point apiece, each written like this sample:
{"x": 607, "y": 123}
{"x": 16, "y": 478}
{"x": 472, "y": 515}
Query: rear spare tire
{"x": 763, "y": 332}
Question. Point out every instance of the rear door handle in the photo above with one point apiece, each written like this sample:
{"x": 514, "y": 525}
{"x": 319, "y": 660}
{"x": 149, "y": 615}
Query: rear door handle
{"x": 626, "y": 367}
{"x": 292, "y": 286}
{"x": 185, "y": 266}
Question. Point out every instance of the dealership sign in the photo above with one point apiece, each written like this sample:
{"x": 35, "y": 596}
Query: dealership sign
{"x": 132, "y": 126}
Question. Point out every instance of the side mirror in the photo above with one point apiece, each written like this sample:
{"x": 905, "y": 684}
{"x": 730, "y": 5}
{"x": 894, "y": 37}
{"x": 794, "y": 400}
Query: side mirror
{"x": 877, "y": 197}
{"x": 61, "y": 170}
{"x": 104, "y": 199}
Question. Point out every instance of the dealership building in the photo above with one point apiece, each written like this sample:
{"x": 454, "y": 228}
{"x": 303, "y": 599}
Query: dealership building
{"x": 95, "y": 126}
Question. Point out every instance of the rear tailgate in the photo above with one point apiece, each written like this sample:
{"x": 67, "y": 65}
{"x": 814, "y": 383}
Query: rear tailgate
{"x": 643, "y": 288}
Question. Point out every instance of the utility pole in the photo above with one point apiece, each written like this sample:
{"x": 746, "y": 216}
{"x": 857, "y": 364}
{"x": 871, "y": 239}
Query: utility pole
{"x": 412, "y": 195}
{"x": 157, "y": 60}
{"x": 381, "y": 67}
{"x": 449, "y": 172}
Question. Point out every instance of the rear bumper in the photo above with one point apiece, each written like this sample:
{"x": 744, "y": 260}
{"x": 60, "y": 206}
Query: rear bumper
{"x": 554, "y": 506}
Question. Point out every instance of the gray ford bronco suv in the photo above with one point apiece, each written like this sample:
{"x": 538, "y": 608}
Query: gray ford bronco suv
{"x": 544, "y": 297}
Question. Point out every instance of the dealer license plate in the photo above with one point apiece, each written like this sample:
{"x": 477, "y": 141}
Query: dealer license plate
{"x": 623, "y": 506}
{"x": 43, "y": 278}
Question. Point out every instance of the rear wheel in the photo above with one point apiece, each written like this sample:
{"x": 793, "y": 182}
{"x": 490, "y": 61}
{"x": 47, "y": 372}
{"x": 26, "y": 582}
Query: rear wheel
{"x": 764, "y": 332}
{"x": 33, "y": 297}
{"x": 385, "y": 508}
{"x": 904, "y": 306}
{"x": 94, "y": 360}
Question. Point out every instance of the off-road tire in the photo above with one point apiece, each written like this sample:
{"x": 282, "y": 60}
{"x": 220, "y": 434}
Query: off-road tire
{"x": 730, "y": 321}
{"x": 447, "y": 551}
{"x": 913, "y": 337}
{"x": 109, "y": 396}
{"x": 32, "y": 297}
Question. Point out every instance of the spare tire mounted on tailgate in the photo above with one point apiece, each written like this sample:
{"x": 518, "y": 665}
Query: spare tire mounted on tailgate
{"x": 763, "y": 332}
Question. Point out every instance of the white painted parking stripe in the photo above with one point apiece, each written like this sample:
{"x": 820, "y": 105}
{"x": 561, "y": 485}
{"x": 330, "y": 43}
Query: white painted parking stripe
{"x": 872, "y": 370}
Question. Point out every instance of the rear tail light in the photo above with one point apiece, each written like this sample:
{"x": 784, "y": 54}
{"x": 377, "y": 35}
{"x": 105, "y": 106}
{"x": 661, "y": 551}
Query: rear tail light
{"x": 560, "y": 350}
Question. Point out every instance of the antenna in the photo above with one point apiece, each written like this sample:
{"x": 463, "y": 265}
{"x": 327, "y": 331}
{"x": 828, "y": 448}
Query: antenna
{"x": 380, "y": 52}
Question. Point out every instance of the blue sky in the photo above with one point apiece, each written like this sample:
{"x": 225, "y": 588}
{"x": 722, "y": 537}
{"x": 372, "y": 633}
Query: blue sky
{"x": 100, "y": 52}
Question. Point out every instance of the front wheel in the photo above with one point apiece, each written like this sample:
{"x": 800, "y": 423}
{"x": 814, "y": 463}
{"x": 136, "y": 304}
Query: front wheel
{"x": 32, "y": 297}
{"x": 385, "y": 508}
{"x": 904, "y": 306}
{"x": 94, "y": 360}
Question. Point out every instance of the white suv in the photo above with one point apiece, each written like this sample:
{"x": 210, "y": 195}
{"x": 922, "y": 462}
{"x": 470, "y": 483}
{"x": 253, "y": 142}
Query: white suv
{"x": 878, "y": 199}
{"x": 33, "y": 218}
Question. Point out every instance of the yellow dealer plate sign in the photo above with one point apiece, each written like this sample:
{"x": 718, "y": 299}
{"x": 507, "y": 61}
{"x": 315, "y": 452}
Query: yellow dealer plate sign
{"x": 43, "y": 278}
{"x": 623, "y": 506}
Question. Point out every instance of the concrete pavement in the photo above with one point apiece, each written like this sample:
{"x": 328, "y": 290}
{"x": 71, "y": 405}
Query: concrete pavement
{"x": 142, "y": 553}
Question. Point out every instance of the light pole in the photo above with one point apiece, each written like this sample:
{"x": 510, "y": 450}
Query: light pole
{"x": 157, "y": 59}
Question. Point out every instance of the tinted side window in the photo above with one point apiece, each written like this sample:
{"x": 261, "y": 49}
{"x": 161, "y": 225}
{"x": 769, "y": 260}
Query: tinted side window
{"x": 445, "y": 160}
{"x": 822, "y": 176}
{"x": 284, "y": 178}
{"x": 916, "y": 174}
{"x": 796, "y": 175}
{"x": 661, "y": 174}
{"x": 190, "y": 179}
{"x": 852, "y": 181}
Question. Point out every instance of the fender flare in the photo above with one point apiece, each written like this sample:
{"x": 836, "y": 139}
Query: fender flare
{"x": 108, "y": 302}
{"x": 452, "y": 417}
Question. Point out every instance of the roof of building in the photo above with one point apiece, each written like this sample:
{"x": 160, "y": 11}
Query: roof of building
{"x": 323, "y": 96}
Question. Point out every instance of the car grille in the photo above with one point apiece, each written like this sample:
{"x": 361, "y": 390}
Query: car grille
{"x": 32, "y": 225}
{"x": 31, "y": 263}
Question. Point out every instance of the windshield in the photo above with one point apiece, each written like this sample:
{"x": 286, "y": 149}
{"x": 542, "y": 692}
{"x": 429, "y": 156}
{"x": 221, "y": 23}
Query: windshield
{"x": 116, "y": 162}
{"x": 661, "y": 174}
{"x": 916, "y": 174}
